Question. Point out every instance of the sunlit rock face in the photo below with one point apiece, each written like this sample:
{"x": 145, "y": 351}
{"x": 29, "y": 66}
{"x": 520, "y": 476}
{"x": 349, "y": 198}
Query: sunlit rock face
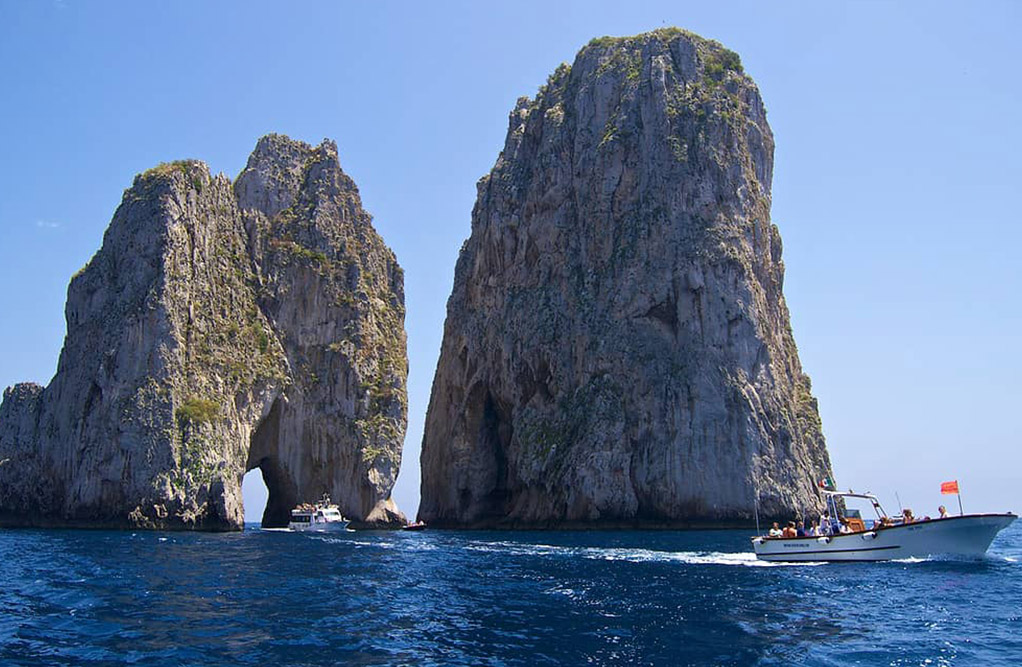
{"x": 221, "y": 327}
{"x": 617, "y": 347}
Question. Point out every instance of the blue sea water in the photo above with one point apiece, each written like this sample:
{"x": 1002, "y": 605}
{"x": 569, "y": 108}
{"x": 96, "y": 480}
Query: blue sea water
{"x": 491, "y": 598}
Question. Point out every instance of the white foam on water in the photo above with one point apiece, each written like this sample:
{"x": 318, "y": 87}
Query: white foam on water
{"x": 572, "y": 593}
{"x": 630, "y": 555}
{"x": 380, "y": 544}
{"x": 950, "y": 558}
{"x": 518, "y": 549}
{"x": 332, "y": 539}
{"x": 741, "y": 559}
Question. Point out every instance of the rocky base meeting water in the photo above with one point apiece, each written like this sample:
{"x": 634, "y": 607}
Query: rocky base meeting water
{"x": 491, "y": 598}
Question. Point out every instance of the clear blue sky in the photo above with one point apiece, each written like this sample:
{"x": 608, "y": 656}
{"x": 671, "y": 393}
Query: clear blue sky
{"x": 896, "y": 178}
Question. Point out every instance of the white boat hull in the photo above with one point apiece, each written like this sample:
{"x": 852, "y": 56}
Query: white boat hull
{"x": 323, "y": 527}
{"x": 962, "y": 536}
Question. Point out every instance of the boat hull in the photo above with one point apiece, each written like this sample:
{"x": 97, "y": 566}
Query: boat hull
{"x": 325, "y": 527}
{"x": 966, "y": 536}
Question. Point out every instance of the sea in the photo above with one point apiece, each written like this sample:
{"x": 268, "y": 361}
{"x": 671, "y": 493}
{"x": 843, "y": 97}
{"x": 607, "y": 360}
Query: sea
{"x": 269, "y": 597}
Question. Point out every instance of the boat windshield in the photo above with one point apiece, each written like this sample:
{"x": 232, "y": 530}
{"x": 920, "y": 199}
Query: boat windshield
{"x": 857, "y": 511}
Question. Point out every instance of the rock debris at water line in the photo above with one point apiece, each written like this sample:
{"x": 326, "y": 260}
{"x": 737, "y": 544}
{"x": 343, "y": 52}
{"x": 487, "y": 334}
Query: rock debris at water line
{"x": 221, "y": 327}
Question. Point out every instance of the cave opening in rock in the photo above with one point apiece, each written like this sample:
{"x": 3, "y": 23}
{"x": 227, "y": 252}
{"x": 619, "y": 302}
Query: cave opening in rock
{"x": 263, "y": 454}
{"x": 495, "y": 434}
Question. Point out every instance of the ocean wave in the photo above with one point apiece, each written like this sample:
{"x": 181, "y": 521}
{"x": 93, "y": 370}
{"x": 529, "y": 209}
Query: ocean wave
{"x": 384, "y": 544}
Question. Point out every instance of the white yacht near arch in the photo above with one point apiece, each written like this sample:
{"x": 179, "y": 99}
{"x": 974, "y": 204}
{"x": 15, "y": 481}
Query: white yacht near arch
{"x": 321, "y": 517}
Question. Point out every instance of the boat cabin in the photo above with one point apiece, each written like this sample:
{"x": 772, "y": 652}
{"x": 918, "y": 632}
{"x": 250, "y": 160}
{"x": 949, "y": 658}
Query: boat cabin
{"x": 846, "y": 509}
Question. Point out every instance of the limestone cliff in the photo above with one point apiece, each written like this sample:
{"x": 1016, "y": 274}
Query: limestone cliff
{"x": 617, "y": 346}
{"x": 221, "y": 327}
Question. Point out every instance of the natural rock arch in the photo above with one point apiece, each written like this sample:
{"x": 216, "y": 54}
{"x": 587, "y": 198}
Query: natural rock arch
{"x": 221, "y": 327}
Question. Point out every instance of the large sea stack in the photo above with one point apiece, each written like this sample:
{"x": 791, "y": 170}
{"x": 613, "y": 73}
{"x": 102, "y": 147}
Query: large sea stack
{"x": 220, "y": 328}
{"x": 617, "y": 347}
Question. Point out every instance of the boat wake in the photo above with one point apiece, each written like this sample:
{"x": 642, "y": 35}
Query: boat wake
{"x": 633, "y": 555}
{"x": 954, "y": 558}
{"x": 382, "y": 544}
{"x": 686, "y": 557}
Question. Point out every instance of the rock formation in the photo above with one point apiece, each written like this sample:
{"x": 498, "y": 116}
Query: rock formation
{"x": 617, "y": 346}
{"x": 221, "y": 327}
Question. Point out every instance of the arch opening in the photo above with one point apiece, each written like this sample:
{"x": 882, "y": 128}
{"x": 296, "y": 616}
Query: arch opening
{"x": 281, "y": 495}
{"x": 254, "y": 494}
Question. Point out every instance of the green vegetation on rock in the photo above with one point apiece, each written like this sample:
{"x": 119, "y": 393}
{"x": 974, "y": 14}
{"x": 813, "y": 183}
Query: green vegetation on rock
{"x": 194, "y": 172}
{"x": 719, "y": 61}
{"x": 197, "y": 410}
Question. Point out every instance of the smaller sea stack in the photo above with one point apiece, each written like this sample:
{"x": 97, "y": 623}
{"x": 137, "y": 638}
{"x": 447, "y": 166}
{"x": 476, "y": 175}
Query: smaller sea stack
{"x": 221, "y": 327}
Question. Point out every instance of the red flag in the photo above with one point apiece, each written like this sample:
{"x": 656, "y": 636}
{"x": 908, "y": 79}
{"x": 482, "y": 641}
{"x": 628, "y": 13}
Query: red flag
{"x": 947, "y": 488}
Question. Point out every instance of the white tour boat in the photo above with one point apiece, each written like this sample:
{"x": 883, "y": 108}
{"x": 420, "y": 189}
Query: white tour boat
{"x": 886, "y": 538}
{"x": 322, "y": 517}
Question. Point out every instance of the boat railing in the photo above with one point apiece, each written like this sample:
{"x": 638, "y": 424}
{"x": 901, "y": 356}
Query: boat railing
{"x": 879, "y": 524}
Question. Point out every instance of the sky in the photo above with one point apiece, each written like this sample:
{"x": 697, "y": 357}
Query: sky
{"x": 895, "y": 181}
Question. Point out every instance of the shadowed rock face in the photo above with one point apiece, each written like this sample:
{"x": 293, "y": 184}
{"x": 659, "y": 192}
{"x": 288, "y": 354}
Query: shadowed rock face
{"x": 617, "y": 346}
{"x": 220, "y": 328}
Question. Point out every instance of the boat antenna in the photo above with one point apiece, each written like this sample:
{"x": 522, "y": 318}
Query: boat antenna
{"x": 900, "y": 508}
{"x": 755, "y": 505}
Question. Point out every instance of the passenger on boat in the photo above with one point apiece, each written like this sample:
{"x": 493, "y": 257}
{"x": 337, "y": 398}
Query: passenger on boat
{"x": 825, "y": 527}
{"x": 789, "y": 530}
{"x": 943, "y": 512}
{"x": 800, "y": 529}
{"x": 907, "y": 513}
{"x": 776, "y": 531}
